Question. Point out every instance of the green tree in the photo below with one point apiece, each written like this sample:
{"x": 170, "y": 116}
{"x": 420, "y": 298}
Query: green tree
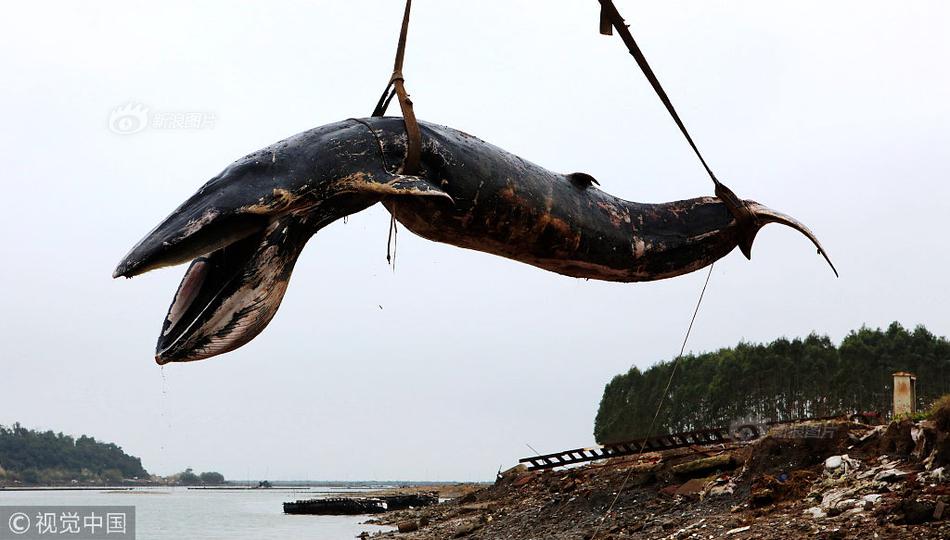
{"x": 57, "y": 458}
{"x": 112, "y": 476}
{"x": 212, "y": 478}
{"x": 781, "y": 380}
{"x": 188, "y": 478}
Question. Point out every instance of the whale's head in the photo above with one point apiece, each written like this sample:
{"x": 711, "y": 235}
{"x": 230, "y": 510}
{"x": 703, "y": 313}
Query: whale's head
{"x": 244, "y": 230}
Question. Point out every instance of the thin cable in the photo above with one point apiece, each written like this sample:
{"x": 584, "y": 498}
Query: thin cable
{"x": 659, "y": 405}
{"x": 392, "y": 239}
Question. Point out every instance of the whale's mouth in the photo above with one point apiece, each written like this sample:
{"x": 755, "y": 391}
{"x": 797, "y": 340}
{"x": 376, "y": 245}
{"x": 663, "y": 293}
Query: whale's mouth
{"x": 228, "y": 296}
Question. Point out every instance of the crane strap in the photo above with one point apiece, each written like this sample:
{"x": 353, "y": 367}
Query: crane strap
{"x": 611, "y": 19}
{"x": 397, "y": 87}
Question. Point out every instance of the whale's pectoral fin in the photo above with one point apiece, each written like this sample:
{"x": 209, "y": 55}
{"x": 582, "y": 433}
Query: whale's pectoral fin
{"x": 400, "y": 185}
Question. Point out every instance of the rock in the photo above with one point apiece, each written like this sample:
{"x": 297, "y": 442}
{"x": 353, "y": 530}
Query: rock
{"x": 836, "y": 501}
{"x": 762, "y": 497}
{"x": 940, "y": 455}
{"x": 897, "y": 438}
{"x": 842, "y": 464}
{"x": 889, "y": 475}
{"x": 738, "y": 530}
{"x": 935, "y": 476}
{"x": 407, "y": 526}
{"x": 843, "y": 505}
{"x": 815, "y": 512}
{"x": 523, "y": 480}
{"x": 917, "y": 511}
{"x": 833, "y": 462}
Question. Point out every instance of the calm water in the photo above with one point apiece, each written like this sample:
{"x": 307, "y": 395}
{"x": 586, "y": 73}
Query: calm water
{"x": 179, "y": 513}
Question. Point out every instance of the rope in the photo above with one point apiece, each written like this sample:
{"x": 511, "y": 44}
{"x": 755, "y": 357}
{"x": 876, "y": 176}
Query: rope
{"x": 396, "y": 87}
{"x": 659, "y": 405}
{"x": 745, "y": 218}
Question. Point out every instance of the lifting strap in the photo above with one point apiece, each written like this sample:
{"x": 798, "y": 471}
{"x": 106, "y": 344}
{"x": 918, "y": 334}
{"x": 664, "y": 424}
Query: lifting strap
{"x": 610, "y": 18}
{"x": 396, "y": 87}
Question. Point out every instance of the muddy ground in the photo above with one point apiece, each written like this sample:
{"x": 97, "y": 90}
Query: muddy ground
{"x": 830, "y": 480}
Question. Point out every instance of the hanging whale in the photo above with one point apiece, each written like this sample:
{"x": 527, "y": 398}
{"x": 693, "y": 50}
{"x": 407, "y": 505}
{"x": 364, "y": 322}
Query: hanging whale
{"x": 245, "y": 228}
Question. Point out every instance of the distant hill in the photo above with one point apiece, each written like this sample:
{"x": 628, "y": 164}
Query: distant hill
{"x": 33, "y": 457}
{"x": 781, "y": 380}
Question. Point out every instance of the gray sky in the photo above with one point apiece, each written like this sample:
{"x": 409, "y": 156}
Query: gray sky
{"x": 833, "y": 112}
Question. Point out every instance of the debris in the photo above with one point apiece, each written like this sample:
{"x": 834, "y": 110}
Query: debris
{"x": 692, "y": 487}
{"x": 738, "y": 530}
{"x": 512, "y": 473}
{"x": 720, "y": 487}
{"x": 467, "y": 528}
{"x": 705, "y": 465}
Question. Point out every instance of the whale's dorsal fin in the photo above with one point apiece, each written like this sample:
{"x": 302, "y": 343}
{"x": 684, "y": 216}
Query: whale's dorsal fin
{"x": 582, "y": 180}
{"x": 400, "y": 185}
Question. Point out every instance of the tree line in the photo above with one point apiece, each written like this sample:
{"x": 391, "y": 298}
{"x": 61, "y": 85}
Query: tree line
{"x": 35, "y": 457}
{"x": 782, "y": 380}
{"x": 188, "y": 477}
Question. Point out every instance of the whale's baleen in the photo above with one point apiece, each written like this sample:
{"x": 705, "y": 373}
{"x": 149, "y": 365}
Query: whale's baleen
{"x": 245, "y": 228}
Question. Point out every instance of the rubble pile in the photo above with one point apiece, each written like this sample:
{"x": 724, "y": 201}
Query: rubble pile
{"x": 825, "y": 480}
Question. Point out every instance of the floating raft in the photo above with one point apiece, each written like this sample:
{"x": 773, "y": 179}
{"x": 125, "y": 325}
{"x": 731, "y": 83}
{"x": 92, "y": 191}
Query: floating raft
{"x": 347, "y": 506}
{"x": 415, "y": 500}
{"x": 342, "y": 506}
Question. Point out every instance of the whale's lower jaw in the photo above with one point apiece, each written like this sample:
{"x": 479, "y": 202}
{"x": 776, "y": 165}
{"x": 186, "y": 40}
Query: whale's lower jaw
{"x": 227, "y": 297}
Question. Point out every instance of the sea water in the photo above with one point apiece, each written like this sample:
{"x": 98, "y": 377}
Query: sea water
{"x": 177, "y": 513}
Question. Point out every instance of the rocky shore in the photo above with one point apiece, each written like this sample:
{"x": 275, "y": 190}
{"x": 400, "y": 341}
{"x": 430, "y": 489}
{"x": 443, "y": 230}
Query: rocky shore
{"x": 829, "y": 480}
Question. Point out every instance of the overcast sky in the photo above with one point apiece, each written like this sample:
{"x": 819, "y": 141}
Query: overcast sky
{"x": 834, "y": 112}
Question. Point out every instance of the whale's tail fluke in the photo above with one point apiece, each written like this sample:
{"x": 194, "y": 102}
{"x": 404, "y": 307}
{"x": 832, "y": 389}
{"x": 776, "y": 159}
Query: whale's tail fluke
{"x": 763, "y": 216}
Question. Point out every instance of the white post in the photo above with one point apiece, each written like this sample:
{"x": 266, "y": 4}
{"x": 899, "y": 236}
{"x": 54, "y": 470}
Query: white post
{"x": 905, "y": 394}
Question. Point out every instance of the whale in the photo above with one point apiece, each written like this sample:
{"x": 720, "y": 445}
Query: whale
{"x": 244, "y": 229}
